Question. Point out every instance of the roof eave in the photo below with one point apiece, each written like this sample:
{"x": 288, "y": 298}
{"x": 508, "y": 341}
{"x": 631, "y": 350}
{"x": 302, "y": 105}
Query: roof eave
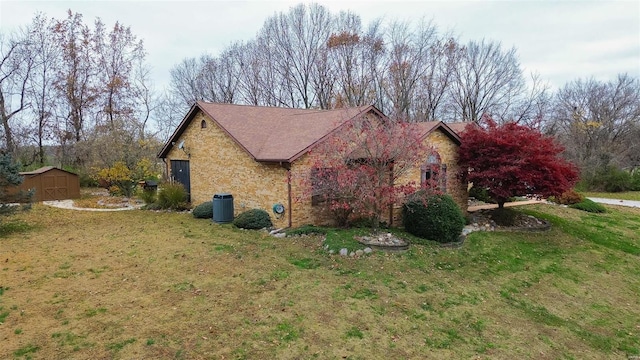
{"x": 178, "y": 131}
{"x": 446, "y": 130}
{"x": 185, "y": 123}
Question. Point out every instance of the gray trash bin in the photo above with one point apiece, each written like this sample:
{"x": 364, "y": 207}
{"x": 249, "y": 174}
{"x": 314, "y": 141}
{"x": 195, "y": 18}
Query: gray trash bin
{"x": 222, "y": 208}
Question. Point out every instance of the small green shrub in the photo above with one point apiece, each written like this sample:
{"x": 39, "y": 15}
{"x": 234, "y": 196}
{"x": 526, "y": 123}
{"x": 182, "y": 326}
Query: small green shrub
{"x": 203, "y": 211}
{"x": 253, "y": 219}
{"x": 172, "y": 196}
{"x": 433, "y": 217}
{"x": 608, "y": 179}
{"x": 148, "y": 195}
{"x": 307, "y": 230}
{"x": 589, "y": 206}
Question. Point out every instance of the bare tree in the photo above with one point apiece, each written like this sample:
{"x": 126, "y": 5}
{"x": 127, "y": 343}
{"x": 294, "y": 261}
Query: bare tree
{"x": 433, "y": 86}
{"x": 599, "y": 122}
{"x": 184, "y": 82}
{"x": 355, "y": 58}
{"x": 117, "y": 52}
{"x": 16, "y": 64}
{"x": 146, "y": 99}
{"x": 75, "y": 82}
{"x": 408, "y": 51}
{"x": 294, "y": 39}
{"x": 41, "y": 91}
{"x": 486, "y": 81}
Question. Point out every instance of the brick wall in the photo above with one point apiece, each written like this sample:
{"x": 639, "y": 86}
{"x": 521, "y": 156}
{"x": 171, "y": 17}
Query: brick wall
{"x": 218, "y": 164}
{"x": 448, "y": 151}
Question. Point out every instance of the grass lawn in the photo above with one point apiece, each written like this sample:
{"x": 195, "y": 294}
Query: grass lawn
{"x": 155, "y": 285}
{"x": 627, "y": 195}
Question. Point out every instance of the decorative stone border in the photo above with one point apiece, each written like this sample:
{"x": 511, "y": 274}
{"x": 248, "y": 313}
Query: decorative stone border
{"x": 391, "y": 244}
{"x": 545, "y": 226}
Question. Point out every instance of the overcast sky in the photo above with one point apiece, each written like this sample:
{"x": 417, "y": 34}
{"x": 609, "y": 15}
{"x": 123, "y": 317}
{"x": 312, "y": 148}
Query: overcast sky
{"x": 561, "y": 40}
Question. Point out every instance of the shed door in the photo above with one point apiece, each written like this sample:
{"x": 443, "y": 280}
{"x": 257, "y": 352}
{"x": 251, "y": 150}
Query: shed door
{"x": 55, "y": 187}
{"x": 180, "y": 173}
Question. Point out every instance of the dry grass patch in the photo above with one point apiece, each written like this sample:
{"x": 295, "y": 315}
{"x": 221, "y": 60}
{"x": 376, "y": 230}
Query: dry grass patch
{"x": 141, "y": 284}
{"x": 98, "y": 198}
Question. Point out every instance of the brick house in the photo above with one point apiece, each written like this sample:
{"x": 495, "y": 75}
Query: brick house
{"x": 253, "y": 152}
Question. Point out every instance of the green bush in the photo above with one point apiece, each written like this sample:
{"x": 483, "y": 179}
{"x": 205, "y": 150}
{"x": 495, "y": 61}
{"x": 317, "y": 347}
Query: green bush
{"x": 203, "y": 211}
{"x": 433, "y": 217}
{"x": 253, "y": 219}
{"x": 307, "y": 230}
{"x": 172, "y": 196}
{"x": 608, "y": 179}
{"x": 589, "y": 206}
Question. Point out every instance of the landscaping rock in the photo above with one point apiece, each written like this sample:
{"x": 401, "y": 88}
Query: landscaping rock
{"x": 359, "y": 252}
{"x": 344, "y": 252}
{"x": 368, "y": 250}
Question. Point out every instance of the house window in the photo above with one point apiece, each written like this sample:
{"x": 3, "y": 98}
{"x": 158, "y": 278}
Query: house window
{"x": 433, "y": 174}
{"x": 203, "y": 124}
{"x": 322, "y": 183}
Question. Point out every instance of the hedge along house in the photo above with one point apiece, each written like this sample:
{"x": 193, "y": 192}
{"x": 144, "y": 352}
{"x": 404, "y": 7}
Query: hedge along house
{"x": 253, "y": 152}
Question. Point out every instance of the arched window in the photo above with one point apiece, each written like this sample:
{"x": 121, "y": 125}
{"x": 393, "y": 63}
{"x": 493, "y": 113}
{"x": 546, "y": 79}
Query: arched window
{"x": 203, "y": 124}
{"x": 433, "y": 174}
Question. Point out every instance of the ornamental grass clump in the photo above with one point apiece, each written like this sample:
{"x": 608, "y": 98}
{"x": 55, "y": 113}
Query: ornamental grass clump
{"x": 172, "y": 196}
{"x": 433, "y": 217}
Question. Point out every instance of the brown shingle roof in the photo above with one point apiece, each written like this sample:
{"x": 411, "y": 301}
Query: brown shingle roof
{"x": 458, "y": 127}
{"x": 271, "y": 134}
{"x": 429, "y": 126}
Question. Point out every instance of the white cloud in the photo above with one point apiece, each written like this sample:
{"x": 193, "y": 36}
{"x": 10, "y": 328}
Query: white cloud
{"x": 562, "y": 40}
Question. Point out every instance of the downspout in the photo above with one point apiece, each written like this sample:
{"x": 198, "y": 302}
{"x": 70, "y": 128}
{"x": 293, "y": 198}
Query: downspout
{"x": 287, "y": 166}
{"x": 289, "y": 196}
{"x": 391, "y": 205}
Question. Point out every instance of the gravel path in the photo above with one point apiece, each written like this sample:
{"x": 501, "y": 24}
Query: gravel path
{"x": 68, "y": 204}
{"x": 630, "y": 203}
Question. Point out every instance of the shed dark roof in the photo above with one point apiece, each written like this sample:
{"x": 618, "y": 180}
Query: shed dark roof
{"x": 271, "y": 134}
{"x": 44, "y": 169}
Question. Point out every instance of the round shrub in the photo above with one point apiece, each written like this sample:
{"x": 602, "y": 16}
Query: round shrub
{"x": 570, "y": 197}
{"x": 203, "y": 211}
{"x": 433, "y": 217}
{"x": 253, "y": 219}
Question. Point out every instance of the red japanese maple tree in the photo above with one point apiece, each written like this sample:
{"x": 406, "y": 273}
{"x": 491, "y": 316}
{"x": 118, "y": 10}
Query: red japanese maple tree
{"x": 511, "y": 160}
{"x": 357, "y": 171}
